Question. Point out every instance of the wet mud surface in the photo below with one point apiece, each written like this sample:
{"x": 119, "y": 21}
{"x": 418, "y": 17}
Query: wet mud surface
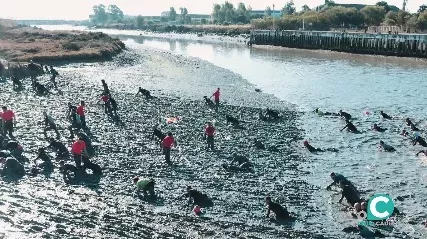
{"x": 43, "y": 206}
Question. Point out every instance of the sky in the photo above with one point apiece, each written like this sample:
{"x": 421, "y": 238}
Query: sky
{"x": 80, "y": 9}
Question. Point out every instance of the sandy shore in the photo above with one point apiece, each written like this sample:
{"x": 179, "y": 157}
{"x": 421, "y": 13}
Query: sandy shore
{"x": 25, "y": 43}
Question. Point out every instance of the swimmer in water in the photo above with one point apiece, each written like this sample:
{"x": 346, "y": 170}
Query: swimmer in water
{"x": 412, "y": 125}
{"x": 404, "y": 133}
{"x": 320, "y": 113}
{"x": 378, "y": 128}
{"x": 422, "y": 151}
{"x": 345, "y": 115}
{"x": 313, "y": 149}
{"x": 349, "y": 193}
{"x": 385, "y": 116}
{"x": 421, "y": 141}
{"x": 280, "y": 211}
{"x": 385, "y": 147}
{"x": 350, "y": 127}
{"x": 337, "y": 178}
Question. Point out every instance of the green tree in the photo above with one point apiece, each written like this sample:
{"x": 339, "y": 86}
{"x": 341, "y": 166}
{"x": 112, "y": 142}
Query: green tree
{"x": 217, "y": 14}
{"x": 267, "y": 11}
{"x": 100, "y": 15}
{"x": 184, "y": 13}
{"x": 391, "y": 18}
{"x": 422, "y": 21}
{"x": 139, "y": 21}
{"x": 229, "y": 12}
{"x": 422, "y": 8}
{"x": 172, "y": 14}
{"x": 374, "y": 15}
{"x": 115, "y": 13}
{"x": 385, "y": 5}
{"x": 289, "y": 8}
{"x": 305, "y": 8}
{"x": 402, "y": 17}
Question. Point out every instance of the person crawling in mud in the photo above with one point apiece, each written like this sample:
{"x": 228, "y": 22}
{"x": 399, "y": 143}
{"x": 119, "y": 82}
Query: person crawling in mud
{"x": 144, "y": 92}
{"x": 209, "y": 102}
{"x": 385, "y": 116}
{"x": 321, "y": 113}
{"x": 350, "y": 127}
{"x": 40, "y": 89}
{"x": 349, "y": 193}
{"x": 245, "y": 167}
{"x": 272, "y": 114}
{"x": 144, "y": 185}
{"x": 412, "y": 125}
{"x": 65, "y": 170}
{"x": 385, "y": 147}
{"x": 337, "y": 178}
{"x": 16, "y": 84}
{"x": 419, "y": 140}
{"x": 314, "y": 150}
{"x": 158, "y": 134}
{"x": 12, "y": 167}
{"x": 14, "y": 148}
{"x": 47, "y": 164}
{"x": 198, "y": 198}
{"x": 230, "y": 119}
{"x": 280, "y": 211}
{"x": 378, "y": 128}
{"x": 60, "y": 149}
{"x": 87, "y": 164}
{"x": 345, "y": 115}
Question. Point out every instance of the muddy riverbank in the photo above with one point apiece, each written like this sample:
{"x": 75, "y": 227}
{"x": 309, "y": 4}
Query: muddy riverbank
{"x": 44, "y": 206}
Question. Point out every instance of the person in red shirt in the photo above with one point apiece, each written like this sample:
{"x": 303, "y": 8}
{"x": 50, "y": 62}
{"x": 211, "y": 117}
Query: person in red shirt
{"x": 216, "y": 95}
{"x": 81, "y": 113}
{"x": 210, "y": 133}
{"x": 106, "y": 99}
{"x": 167, "y": 144}
{"x": 78, "y": 149}
{"x": 9, "y": 120}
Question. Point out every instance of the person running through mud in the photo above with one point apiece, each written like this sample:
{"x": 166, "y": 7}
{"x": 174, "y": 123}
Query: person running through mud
{"x": 144, "y": 92}
{"x": 349, "y": 193}
{"x": 314, "y": 150}
{"x": 49, "y": 124}
{"x": 350, "y": 127}
{"x": 345, "y": 115}
{"x": 209, "y": 135}
{"x": 197, "y": 198}
{"x": 59, "y": 148}
{"x": 385, "y": 147}
{"x": 65, "y": 170}
{"x": 75, "y": 122}
{"x": 412, "y": 125}
{"x": 53, "y": 77}
{"x": 385, "y": 116}
{"x": 419, "y": 140}
{"x": 12, "y": 167}
{"x": 14, "y": 148}
{"x": 81, "y": 112}
{"x": 167, "y": 144}
{"x": 105, "y": 91}
{"x": 337, "y": 178}
{"x": 9, "y": 121}
{"x": 78, "y": 149}
{"x": 216, "y": 96}
{"x": 280, "y": 211}
{"x": 144, "y": 185}
{"x": 378, "y": 128}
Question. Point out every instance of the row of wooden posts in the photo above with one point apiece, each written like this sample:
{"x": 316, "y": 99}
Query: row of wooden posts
{"x": 376, "y": 44}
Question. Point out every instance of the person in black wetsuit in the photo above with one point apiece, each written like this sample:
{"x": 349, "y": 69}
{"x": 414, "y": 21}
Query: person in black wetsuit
{"x": 60, "y": 149}
{"x": 75, "y": 122}
{"x": 420, "y": 141}
{"x": 41, "y": 89}
{"x": 412, "y": 125}
{"x": 70, "y": 110}
{"x": 14, "y": 148}
{"x": 386, "y": 147}
{"x": 337, "y": 178}
{"x": 106, "y": 91}
{"x": 345, "y": 115}
{"x": 272, "y": 114}
{"x": 16, "y": 84}
{"x": 65, "y": 169}
{"x": 277, "y": 209}
{"x": 112, "y": 102}
{"x": 47, "y": 164}
{"x": 350, "y": 127}
{"x": 54, "y": 74}
{"x": 350, "y": 194}
{"x": 311, "y": 148}
{"x": 144, "y": 92}
{"x": 385, "y": 116}
{"x": 12, "y": 167}
{"x": 258, "y": 144}
{"x": 158, "y": 134}
{"x": 423, "y": 152}
{"x": 378, "y": 128}
{"x": 198, "y": 198}
{"x": 49, "y": 124}
{"x": 321, "y": 113}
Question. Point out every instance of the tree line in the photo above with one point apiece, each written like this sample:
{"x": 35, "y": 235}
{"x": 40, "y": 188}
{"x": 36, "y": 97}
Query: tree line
{"x": 332, "y": 16}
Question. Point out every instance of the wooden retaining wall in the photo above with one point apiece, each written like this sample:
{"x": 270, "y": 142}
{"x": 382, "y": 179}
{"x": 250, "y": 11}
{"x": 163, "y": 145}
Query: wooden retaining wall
{"x": 406, "y": 45}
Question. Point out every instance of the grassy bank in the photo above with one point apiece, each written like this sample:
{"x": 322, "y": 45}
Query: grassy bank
{"x": 25, "y": 43}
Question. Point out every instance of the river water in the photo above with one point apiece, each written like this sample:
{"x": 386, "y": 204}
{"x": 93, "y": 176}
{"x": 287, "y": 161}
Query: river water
{"x": 359, "y": 85}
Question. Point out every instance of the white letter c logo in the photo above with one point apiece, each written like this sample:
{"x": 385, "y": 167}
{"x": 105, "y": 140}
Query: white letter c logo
{"x": 373, "y": 207}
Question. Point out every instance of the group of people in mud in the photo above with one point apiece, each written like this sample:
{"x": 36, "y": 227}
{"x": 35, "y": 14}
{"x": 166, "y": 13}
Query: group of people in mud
{"x": 348, "y": 190}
